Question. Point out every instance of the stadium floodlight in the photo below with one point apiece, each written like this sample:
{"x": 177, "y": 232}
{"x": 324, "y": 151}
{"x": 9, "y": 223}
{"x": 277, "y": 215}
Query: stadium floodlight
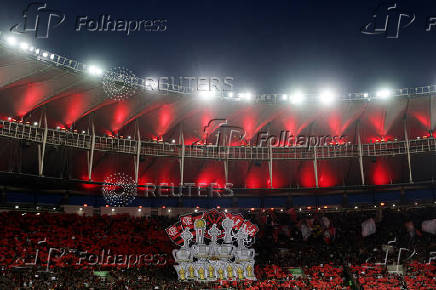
{"x": 365, "y": 95}
{"x": 206, "y": 95}
{"x": 35, "y": 123}
{"x": 95, "y": 70}
{"x": 297, "y": 98}
{"x": 24, "y": 45}
{"x": 245, "y": 96}
{"x": 384, "y": 93}
{"x": 52, "y": 56}
{"x": 12, "y": 41}
{"x": 284, "y": 97}
{"x": 327, "y": 97}
{"x": 45, "y": 54}
{"x": 230, "y": 95}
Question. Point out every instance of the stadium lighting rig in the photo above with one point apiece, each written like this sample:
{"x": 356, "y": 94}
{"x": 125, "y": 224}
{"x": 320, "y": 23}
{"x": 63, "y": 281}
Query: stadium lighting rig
{"x": 24, "y": 45}
{"x": 327, "y": 97}
{"x": 297, "y": 98}
{"x": 95, "y": 70}
{"x": 245, "y": 96}
{"x": 10, "y": 40}
{"x": 207, "y": 95}
{"x": 384, "y": 94}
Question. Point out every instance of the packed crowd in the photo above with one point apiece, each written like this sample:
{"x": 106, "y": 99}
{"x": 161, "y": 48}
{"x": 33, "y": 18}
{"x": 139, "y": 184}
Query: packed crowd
{"x": 367, "y": 276}
{"x": 66, "y": 251}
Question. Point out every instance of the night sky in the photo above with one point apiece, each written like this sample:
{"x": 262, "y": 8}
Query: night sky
{"x": 267, "y": 46}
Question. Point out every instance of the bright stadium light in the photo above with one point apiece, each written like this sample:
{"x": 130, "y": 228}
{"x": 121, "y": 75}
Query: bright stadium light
{"x": 24, "y": 45}
{"x": 206, "y": 95}
{"x": 327, "y": 97}
{"x": 11, "y": 40}
{"x": 45, "y": 54}
{"x": 297, "y": 98}
{"x": 230, "y": 95}
{"x": 365, "y": 95}
{"x": 95, "y": 70}
{"x": 245, "y": 96}
{"x": 284, "y": 97}
{"x": 384, "y": 93}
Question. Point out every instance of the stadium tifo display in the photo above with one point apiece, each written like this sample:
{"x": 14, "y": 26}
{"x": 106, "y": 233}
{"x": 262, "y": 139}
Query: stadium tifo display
{"x": 200, "y": 261}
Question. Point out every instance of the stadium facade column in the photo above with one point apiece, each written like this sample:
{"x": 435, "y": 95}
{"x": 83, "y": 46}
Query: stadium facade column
{"x": 41, "y": 151}
{"x": 359, "y": 144}
{"x": 226, "y": 169}
{"x": 270, "y": 164}
{"x": 182, "y": 155}
{"x": 138, "y": 152}
{"x": 406, "y": 138}
{"x": 91, "y": 151}
{"x": 226, "y": 163}
{"x": 315, "y": 166}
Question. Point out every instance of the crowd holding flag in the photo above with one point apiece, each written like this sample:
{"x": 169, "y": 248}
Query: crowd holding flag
{"x": 368, "y": 227}
{"x": 429, "y": 226}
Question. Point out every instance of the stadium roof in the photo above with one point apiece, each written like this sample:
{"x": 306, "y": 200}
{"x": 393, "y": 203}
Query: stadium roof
{"x": 31, "y": 87}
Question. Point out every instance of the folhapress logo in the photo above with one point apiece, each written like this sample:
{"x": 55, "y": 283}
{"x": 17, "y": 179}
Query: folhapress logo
{"x": 388, "y": 20}
{"x": 39, "y": 19}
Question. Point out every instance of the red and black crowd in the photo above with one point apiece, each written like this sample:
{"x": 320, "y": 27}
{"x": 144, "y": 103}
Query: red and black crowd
{"x": 67, "y": 251}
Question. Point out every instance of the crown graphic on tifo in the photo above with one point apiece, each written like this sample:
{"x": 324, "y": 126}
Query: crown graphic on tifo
{"x": 213, "y": 246}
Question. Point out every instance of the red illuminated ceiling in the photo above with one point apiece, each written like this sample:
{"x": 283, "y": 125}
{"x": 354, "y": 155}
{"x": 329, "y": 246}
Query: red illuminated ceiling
{"x": 72, "y": 100}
